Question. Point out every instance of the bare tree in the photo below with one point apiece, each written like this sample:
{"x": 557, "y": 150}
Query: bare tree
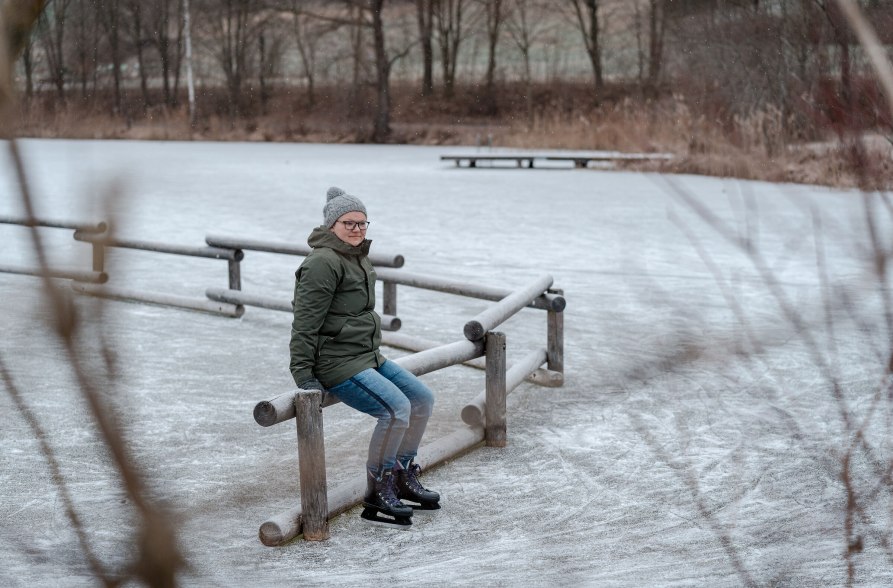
{"x": 449, "y": 18}
{"x": 526, "y": 26}
{"x": 231, "y": 32}
{"x": 425, "y": 15}
{"x": 136, "y": 10}
{"x": 51, "y": 27}
{"x": 160, "y": 30}
{"x": 109, "y": 15}
{"x": 85, "y": 48}
{"x": 28, "y": 65}
{"x": 495, "y": 15}
{"x": 656, "y": 27}
{"x": 586, "y": 17}
{"x": 308, "y": 32}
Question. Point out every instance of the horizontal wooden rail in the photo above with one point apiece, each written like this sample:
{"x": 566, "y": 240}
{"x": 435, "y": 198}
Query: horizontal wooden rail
{"x": 377, "y": 259}
{"x": 286, "y": 525}
{"x": 540, "y": 377}
{"x": 388, "y": 322}
{"x": 477, "y": 327}
{"x": 97, "y": 227}
{"x": 282, "y": 408}
{"x": 547, "y": 301}
{"x": 65, "y": 274}
{"x": 430, "y": 360}
{"x": 209, "y": 252}
{"x": 473, "y": 412}
{"x": 199, "y": 304}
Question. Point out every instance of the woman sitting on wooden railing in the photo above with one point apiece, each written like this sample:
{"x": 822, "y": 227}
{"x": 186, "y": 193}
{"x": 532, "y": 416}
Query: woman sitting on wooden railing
{"x": 335, "y": 341}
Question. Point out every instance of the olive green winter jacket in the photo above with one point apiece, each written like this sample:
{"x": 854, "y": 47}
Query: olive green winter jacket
{"x": 336, "y": 332}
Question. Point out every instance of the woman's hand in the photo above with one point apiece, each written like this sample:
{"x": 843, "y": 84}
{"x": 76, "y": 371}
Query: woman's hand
{"x": 311, "y": 384}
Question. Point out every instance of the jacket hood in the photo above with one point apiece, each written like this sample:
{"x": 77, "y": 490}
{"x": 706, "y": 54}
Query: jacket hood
{"x": 321, "y": 236}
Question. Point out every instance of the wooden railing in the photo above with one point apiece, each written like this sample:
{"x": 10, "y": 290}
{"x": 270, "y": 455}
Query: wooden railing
{"x": 484, "y": 417}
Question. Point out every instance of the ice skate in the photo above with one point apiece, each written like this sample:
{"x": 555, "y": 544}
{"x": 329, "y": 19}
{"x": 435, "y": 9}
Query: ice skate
{"x": 381, "y": 503}
{"x": 410, "y": 489}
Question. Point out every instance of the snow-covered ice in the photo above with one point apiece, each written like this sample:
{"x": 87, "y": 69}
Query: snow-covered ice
{"x": 697, "y": 441}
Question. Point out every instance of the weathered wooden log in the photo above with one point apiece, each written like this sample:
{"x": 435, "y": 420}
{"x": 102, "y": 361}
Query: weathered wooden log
{"x": 473, "y": 412}
{"x": 276, "y": 410}
{"x": 201, "y": 305}
{"x": 377, "y": 259}
{"x": 238, "y": 297}
{"x": 281, "y": 408}
{"x": 389, "y": 298}
{"x": 209, "y": 252}
{"x": 545, "y": 302}
{"x": 97, "y": 227}
{"x": 65, "y": 274}
{"x": 388, "y": 323}
{"x": 540, "y": 377}
{"x": 546, "y": 377}
{"x": 505, "y": 308}
{"x": 286, "y": 525}
{"x": 494, "y": 428}
{"x": 555, "y": 340}
{"x": 234, "y": 274}
{"x": 443, "y": 356}
{"x": 312, "y": 464}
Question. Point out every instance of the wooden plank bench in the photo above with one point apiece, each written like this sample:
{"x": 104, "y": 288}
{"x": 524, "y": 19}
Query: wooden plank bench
{"x": 521, "y": 160}
{"x": 527, "y": 161}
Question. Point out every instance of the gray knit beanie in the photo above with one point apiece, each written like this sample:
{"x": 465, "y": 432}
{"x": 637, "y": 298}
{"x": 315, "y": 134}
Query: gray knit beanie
{"x": 339, "y": 202}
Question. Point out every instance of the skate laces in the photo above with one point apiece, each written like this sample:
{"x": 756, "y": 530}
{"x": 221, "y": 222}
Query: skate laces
{"x": 412, "y": 477}
{"x": 387, "y": 490}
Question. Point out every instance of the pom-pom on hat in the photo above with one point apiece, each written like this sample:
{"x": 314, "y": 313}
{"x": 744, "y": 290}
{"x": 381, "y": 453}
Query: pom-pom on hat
{"x": 338, "y": 203}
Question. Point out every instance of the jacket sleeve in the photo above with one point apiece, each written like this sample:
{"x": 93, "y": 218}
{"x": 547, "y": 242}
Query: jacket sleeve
{"x": 315, "y": 284}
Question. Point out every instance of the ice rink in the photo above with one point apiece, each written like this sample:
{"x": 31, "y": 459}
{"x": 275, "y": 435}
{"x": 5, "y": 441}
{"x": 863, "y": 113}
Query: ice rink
{"x": 715, "y": 373}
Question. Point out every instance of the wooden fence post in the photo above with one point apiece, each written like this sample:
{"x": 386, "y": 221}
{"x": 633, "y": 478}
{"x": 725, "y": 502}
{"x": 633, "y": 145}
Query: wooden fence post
{"x": 494, "y": 413}
{"x": 98, "y": 257}
{"x": 555, "y": 338}
{"x": 312, "y": 462}
{"x": 235, "y": 275}
{"x": 389, "y": 298}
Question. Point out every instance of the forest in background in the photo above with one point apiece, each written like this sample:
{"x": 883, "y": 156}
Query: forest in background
{"x": 771, "y": 89}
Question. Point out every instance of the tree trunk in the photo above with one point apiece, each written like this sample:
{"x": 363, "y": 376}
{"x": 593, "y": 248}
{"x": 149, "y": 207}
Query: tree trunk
{"x": 656, "y": 26}
{"x": 138, "y": 40}
{"x": 449, "y": 38}
{"x": 53, "y": 37}
{"x": 425, "y": 12}
{"x": 190, "y": 84}
{"x": 382, "y": 129}
{"x": 163, "y": 46}
{"x": 27, "y": 63}
{"x": 494, "y": 21}
{"x": 588, "y": 25}
{"x": 262, "y": 80}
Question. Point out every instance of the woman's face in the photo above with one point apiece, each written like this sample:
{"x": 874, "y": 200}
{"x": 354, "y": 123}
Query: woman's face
{"x": 353, "y": 236}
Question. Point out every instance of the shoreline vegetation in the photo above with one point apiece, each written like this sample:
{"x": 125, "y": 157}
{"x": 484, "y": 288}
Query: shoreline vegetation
{"x": 555, "y": 117}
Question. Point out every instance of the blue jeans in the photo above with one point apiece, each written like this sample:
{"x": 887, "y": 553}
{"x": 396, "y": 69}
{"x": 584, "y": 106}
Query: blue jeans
{"x": 402, "y": 405}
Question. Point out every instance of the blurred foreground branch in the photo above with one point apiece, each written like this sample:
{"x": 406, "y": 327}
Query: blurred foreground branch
{"x": 17, "y": 17}
{"x": 158, "y": 558}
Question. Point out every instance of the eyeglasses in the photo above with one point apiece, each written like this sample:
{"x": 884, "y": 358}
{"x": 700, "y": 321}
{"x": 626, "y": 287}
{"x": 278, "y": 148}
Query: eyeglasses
{"x": 351, "y": 225}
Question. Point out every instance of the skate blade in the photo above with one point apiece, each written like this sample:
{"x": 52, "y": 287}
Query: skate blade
{"x": 424, "y": 507}
{"x": 373, "y": 518}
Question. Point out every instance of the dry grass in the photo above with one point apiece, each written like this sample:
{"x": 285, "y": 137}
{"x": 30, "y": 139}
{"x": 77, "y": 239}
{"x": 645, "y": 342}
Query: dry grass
{"x": 555, "y": 117}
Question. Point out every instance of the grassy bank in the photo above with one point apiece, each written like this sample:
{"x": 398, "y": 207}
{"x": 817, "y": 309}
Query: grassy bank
{"x": 763, "y": 145}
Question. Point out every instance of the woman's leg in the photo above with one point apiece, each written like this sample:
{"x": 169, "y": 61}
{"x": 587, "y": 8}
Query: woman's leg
{"x": 374, "y": 394}
{"x": 421, "y": 400}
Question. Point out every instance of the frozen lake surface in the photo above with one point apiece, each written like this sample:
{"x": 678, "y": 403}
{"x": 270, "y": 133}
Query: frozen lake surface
{"x": 716, "y": 373}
